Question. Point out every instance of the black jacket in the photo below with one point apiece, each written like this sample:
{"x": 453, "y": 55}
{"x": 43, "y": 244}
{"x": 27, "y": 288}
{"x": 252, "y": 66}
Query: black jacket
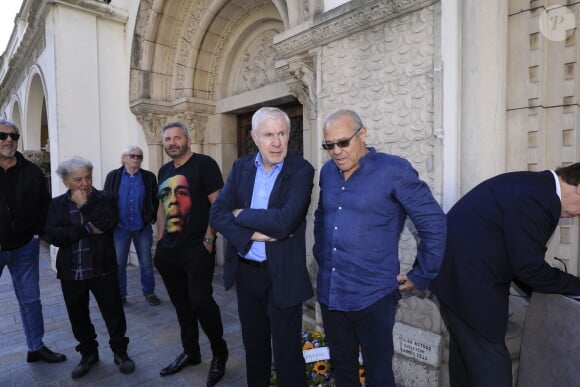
{"x": 151, "y": 200}
{"x": 101, "y": 211}
{"x": 24, "y": 214}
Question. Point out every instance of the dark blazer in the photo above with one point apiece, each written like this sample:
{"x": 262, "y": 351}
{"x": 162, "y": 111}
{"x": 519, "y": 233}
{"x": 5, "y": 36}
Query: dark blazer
{"x": 101, "y": 211}
{"x": 151, "y": 200}
{"x": 495, "y": 234}
{"x": 284, "y": 219}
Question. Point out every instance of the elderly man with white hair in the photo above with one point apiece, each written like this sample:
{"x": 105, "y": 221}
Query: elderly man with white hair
{"x": 135, "y": 190}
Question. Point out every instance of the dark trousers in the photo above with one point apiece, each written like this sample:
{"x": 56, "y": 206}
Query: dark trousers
{"x": 187, "y": 274}
{"x": 372, "y": 329}
{"x": 106, "y": 292}
{"x": 265, "y": 326}
{"x": 473, "y": 360}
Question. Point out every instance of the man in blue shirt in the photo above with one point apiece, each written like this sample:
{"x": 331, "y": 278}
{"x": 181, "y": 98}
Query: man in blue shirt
{"x": 365, "y": 197}
{"x": 261, "y": 210}
{"x": 135, "y": 190}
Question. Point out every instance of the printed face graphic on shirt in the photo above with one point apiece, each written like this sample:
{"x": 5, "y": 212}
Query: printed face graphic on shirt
{"x": 174, "y": 194}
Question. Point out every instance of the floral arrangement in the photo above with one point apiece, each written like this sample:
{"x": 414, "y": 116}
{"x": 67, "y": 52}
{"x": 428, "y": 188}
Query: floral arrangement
{"x": 319, "y": 372}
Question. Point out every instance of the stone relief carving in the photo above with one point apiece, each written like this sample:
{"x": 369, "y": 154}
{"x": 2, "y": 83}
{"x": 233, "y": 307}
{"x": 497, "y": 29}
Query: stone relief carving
{"x": 372, "y": 13}
{"x": 152, "y": 124}
{"x": 185, "y": 45}
{"x": 152, "y": 115}
{"x": 257, "y": 66}
{"x": 248, "y": 8}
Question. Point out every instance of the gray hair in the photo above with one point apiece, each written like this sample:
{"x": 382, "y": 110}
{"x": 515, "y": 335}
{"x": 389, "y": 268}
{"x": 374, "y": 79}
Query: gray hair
{"x": 127, "y": 150}
{"x": 342, "y": 113}
{"x": 176, "y": 124}
{"x": 66, "y": 167}
{"x": 10, "y": 124}
{"x": 269, "y": 113}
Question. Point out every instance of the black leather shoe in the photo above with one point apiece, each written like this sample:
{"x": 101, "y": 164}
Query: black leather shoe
{"x": 181, "y": 361}
{"x": 45, "y": 354}
{"x": 126, "y": 365}
{"x": 217, "y": 369}
{"x": 85, "y": 365}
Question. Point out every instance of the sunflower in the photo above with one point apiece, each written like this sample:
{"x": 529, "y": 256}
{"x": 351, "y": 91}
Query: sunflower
{"x": 320, "y": 367}
{"x": 361, "y": 374}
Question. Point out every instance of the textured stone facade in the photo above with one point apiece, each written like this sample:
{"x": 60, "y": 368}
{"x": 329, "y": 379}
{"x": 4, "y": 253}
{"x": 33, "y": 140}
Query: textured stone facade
{"x": 512, "y": 105}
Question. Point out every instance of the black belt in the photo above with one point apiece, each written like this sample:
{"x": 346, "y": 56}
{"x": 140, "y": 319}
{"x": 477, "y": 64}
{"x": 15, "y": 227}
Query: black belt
{"x": 253, "y": 263}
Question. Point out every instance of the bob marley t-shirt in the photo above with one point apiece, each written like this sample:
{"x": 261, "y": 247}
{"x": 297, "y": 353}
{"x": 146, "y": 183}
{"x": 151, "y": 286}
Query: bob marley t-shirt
{"x": 183, "y": 193}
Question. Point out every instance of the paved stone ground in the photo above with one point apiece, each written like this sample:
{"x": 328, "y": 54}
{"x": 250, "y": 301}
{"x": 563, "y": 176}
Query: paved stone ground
{"x": 153, "y": 331}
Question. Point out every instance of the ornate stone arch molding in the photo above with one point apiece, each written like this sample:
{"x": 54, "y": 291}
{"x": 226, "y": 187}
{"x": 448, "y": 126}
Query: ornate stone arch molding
{"x": 158, "y": 29}
{"x": 208, "y": 37}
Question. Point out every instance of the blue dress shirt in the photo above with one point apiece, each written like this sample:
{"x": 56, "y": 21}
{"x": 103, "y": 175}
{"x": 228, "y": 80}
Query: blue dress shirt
{"x": 263, "y": 185}
{"x": 357, "y": 227}
{"x": 131, "y": 196}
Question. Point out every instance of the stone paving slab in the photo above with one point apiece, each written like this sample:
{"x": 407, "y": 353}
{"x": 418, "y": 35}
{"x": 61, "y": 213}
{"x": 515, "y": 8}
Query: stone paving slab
{"x": 153, "y": 332}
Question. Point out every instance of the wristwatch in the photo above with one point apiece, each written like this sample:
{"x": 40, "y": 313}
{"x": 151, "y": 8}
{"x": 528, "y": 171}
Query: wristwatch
{"x": 209, "y": 241}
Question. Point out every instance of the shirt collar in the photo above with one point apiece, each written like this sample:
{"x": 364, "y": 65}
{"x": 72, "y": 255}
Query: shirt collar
{"x": 558, "y": 188}
{"x": 260, "y": 163}
{"x": 128, "y": 174}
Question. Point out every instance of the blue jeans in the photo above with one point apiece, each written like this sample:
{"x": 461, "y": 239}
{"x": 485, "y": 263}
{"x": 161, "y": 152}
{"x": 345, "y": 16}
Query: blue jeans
{"x": 23, "y": 266}
{"x": 372, "y": 329}
{"x": 142, "y": 241}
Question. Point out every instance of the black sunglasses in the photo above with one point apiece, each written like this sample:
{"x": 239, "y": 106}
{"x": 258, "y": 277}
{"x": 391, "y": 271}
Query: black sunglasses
{"x": 13, "y": 136}
{"x": 341, "y": 143}
{"x": 140, "y": 157}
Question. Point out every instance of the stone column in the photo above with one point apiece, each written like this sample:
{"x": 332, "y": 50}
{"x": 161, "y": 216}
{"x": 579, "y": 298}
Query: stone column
{"x": 483, "y": 90}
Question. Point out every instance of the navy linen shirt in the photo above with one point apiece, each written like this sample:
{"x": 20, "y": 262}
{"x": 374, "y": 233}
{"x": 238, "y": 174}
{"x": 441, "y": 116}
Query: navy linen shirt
{"x": 357, "y": 227}
{"x": 131, "y": 196}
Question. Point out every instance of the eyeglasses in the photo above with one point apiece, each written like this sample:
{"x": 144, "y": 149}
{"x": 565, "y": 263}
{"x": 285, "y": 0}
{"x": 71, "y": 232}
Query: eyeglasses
{"x": 341, "y": 143}
{"x": 139, "y": 157}
{"x": 13, "y": 136}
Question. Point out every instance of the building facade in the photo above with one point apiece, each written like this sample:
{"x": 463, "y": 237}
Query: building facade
{"x": 463, "y": 89}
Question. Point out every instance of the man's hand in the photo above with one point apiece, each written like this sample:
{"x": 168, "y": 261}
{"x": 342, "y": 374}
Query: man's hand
{"x": 79, "y": 197}
{"x": 95, "y": 229}
{"x": 258, "y": 236}
{"x": 404, "y": 282}
{"x": 208, "y": 246}
{"x": 236, "y": 212}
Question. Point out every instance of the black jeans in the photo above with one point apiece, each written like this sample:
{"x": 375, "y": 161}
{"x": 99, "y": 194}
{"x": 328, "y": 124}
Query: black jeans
{"x": 187, "y": 274}
{"x": 372, "y": 329}
{"x": 106, "y": 292}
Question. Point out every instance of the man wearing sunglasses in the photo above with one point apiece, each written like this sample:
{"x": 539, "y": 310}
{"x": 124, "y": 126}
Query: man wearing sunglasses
{"x": 135, "y": 190}
{"x": 24, "y": 201}
{"x": 365, "y": 197}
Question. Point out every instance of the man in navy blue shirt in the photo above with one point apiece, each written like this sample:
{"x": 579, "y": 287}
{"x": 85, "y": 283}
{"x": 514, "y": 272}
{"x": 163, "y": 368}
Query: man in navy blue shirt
{"x": 365, "y": 197}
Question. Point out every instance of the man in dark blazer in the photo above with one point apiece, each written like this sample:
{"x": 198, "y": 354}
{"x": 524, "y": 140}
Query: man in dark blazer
{"x": 497, "y": 233}
{"x": 261, "y": 211}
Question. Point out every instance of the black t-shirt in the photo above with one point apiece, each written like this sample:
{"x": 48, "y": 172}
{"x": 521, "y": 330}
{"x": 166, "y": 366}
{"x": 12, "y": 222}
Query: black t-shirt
{"x": 183, "y": 193}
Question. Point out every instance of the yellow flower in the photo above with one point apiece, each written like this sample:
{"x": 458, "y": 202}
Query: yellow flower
{"x": 320, "y": 367}
{"x": 307, "y": 345}
{"x": 317, "y": 335}
{"x": 361, "y": 374}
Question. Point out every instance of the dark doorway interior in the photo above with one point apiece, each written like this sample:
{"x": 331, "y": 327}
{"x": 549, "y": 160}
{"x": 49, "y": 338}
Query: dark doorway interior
{"x": 296, "y": 145}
